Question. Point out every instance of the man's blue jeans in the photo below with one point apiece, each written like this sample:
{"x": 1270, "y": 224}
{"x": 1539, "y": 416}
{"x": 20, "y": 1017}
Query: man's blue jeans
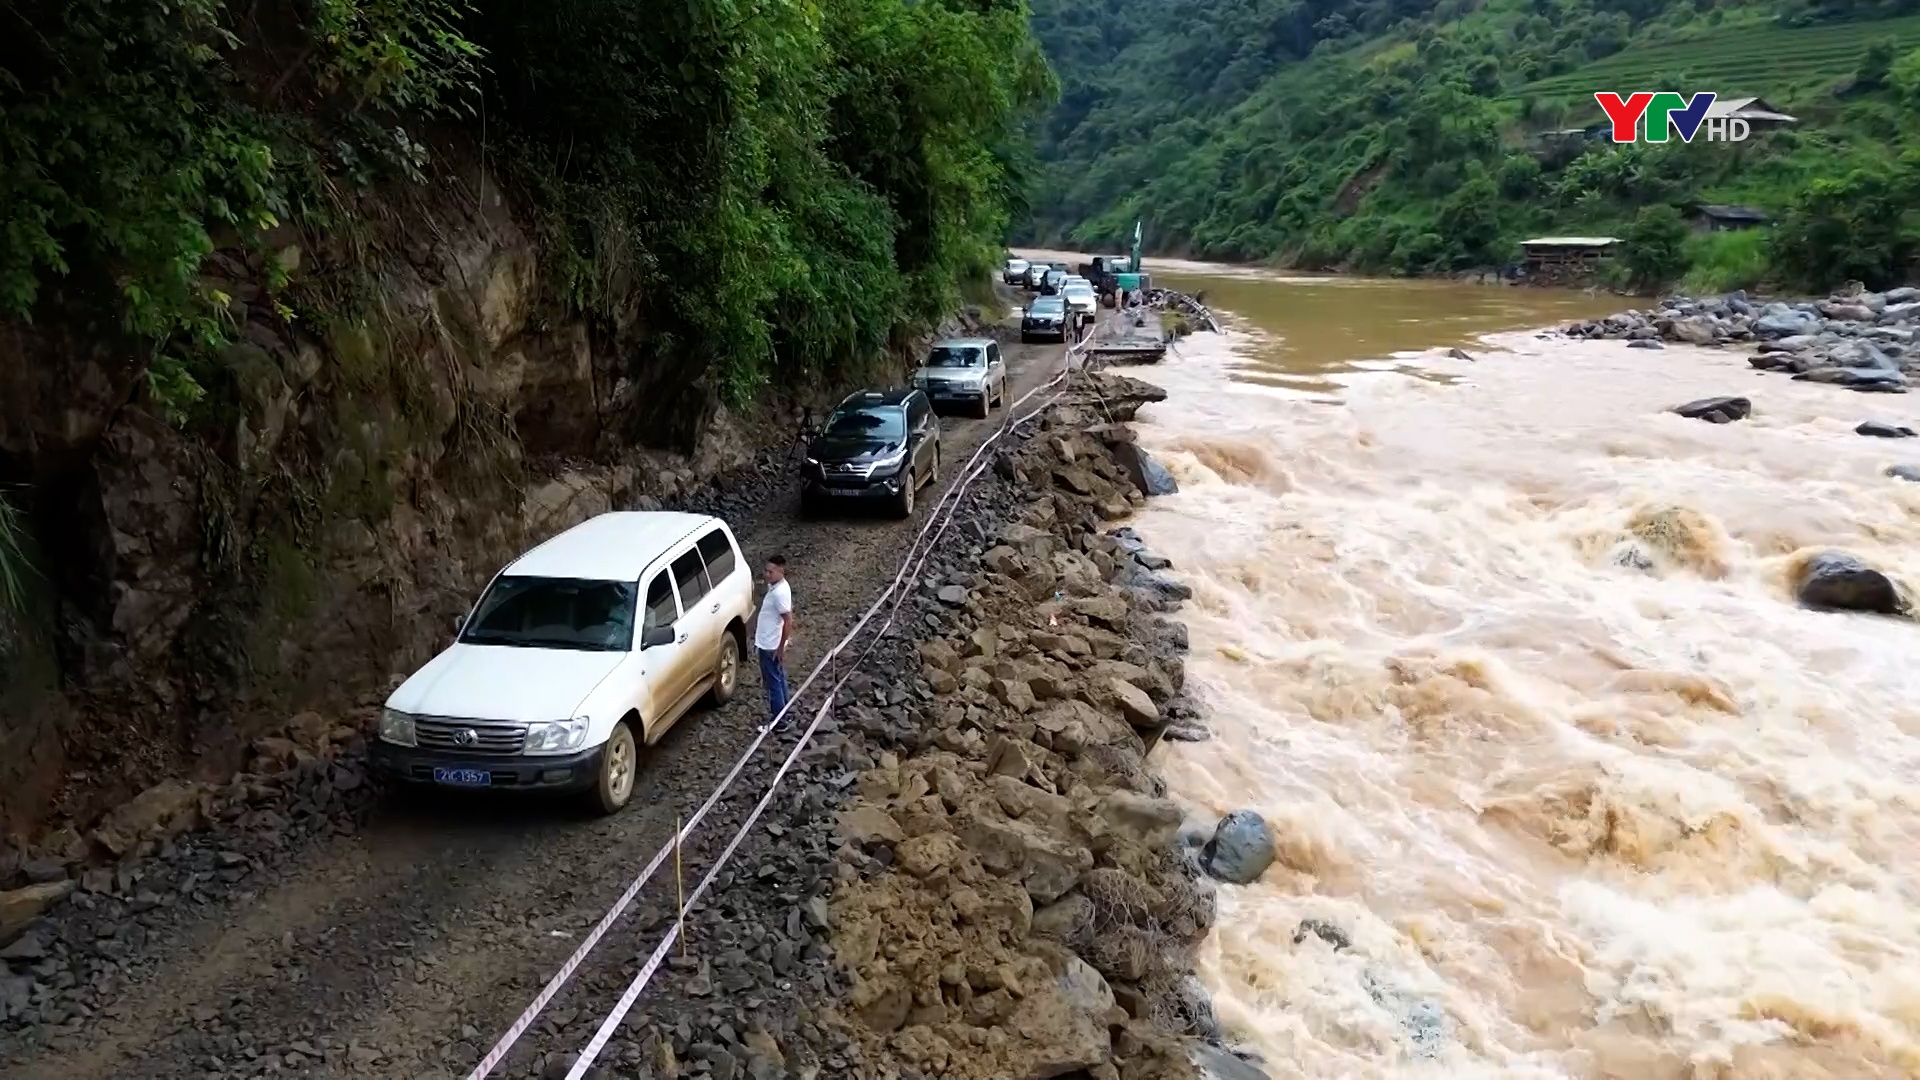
{"x": 773, "y": 675}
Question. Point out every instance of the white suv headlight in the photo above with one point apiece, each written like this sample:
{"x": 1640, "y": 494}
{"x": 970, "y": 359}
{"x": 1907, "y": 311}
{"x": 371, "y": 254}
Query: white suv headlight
{"x": 557, "y": 737}
{"x": 396, "y": 727}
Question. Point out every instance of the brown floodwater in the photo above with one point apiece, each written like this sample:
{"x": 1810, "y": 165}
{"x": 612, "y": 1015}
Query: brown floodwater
{"x": 1564, "y": 784}
{"x": 1315, "y": 330}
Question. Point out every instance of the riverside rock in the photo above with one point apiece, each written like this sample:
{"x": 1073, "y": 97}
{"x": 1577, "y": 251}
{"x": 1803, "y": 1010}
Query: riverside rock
{"x": 1241, "y": 848}
{"x": 1151, "y": 477}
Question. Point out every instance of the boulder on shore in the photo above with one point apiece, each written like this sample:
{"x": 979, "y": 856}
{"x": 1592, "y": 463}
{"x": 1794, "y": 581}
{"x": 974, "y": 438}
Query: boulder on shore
{"x": 1837, "y": 581}
{"x": 1147, "y": 474}
{"x": 1241, "y": 848}
{"x": 1719, "y": 410}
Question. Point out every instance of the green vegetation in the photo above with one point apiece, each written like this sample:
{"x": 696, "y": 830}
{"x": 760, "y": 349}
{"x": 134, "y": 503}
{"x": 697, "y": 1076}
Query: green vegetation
{"x": 1724, "y": 261}
{"x": 1413, "y": 136}
{"x": 774, "y": 189}
{"x": 1759, "y": 58}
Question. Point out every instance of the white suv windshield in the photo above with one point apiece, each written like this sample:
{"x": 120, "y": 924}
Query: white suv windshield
{"x": 956, "y": 356}
{"x": 555, "y": 613}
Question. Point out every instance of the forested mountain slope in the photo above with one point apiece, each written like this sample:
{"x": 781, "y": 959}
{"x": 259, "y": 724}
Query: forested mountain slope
{"x": 1404, "y": 135}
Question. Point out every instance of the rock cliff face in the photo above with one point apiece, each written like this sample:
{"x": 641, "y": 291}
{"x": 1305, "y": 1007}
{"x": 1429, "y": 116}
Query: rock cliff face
{"x": 410, "y": 410}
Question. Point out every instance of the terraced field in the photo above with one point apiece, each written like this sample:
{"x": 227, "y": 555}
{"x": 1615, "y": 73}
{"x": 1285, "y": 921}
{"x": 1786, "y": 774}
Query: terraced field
{"x": 1755, "y": 59}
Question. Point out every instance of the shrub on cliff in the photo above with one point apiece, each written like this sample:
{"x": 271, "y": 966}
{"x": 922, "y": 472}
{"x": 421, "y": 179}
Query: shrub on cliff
{"x": 135, "y": 138}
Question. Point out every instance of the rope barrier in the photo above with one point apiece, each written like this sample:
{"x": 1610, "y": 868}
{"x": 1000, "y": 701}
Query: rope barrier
{"x": 949, "y": 501}
{"x": 611, "y": 1023}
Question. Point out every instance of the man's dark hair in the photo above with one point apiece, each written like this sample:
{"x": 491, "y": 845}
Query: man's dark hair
{"x": 778, "y": 560}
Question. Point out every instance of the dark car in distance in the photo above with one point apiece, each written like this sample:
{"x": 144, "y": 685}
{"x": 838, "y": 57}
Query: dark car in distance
{"x": 1046, "y": 319}
{"x": 879, "y": 445}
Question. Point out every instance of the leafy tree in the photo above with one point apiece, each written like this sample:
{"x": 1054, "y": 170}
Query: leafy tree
{"x": 1656, "y": 247}
{"x": 1850, "y": 226}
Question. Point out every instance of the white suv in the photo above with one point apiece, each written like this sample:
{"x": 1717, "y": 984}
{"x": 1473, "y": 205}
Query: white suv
{"x": 578, "y": 654}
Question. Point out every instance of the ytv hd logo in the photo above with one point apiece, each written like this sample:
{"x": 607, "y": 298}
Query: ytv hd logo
{"x": 1666, "y": 111}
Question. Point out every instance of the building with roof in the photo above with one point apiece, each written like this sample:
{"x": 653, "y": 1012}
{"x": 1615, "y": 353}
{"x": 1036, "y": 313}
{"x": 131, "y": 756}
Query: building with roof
{"x": 1722, "y": 217}
{"x": 1563, "y": 251}
{"x": 1759, "y": 115}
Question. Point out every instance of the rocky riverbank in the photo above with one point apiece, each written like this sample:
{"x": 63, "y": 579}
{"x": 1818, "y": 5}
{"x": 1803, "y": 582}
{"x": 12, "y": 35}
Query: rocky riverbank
{"x": 1864, "y": 341}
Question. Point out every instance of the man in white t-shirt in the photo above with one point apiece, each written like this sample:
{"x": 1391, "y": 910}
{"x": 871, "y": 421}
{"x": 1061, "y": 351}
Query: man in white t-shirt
{"x": 772, "y": 632}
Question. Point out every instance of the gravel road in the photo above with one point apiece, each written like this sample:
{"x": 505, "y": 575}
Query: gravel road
{"x": 399, "y": 941}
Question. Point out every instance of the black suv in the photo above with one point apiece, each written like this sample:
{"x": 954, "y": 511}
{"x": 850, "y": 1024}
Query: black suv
{"x": 1046, "y": 317}
{"x": 878, "y": 444}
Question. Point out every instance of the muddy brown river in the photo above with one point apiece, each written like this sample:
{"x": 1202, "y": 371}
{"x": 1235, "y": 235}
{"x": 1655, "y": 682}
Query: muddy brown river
{"x": 1564, "y": 783}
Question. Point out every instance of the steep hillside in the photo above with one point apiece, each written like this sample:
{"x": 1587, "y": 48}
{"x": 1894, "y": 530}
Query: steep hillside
{"x": 312, "y": 311}
{"x": 1406, "y": 137}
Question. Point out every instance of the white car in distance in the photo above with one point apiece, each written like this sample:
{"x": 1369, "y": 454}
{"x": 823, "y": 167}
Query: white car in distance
{"x": 1081, "y": 299}
{"x": 579, "y": 654}
{"x": 1015, "y": 272}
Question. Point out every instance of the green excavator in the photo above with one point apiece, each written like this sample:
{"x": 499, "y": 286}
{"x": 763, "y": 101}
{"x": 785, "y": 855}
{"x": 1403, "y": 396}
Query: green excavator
{"x": 1115, "y": 275}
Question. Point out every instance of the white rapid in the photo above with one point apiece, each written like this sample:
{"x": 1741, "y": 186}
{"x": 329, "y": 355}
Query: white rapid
{"x": 1576, "y": 817}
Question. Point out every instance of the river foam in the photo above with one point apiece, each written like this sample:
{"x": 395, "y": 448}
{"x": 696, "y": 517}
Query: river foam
{"x": 1565, "y": 785}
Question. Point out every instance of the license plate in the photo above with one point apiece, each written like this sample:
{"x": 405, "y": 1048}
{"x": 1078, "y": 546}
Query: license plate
{"x": 463, "y": 777}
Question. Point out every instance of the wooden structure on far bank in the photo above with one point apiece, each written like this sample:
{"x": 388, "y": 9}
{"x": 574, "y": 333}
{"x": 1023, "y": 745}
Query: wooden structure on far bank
{"x": 1547, "y": 253}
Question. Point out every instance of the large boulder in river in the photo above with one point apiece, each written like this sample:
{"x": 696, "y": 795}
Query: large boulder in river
{"x": 1241, "y": 849}
{"x": 1837, "y": 581}
{"x": 1719, "y": 410}
{"x": 1910, "y": 473}
{"x": 1879, "y": 430}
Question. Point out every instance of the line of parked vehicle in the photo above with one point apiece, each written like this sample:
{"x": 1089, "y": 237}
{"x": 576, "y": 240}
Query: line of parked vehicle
{"x": 1065, "y": 301}
{"x": 586, "y": 650}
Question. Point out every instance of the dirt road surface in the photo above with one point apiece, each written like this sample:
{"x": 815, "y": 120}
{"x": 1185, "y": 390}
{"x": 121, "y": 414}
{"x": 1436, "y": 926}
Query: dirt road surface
{"x": 416, "y": 938}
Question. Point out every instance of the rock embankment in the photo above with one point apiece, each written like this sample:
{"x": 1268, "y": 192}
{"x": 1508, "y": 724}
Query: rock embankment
{"x": 1864, "y": 341}
{"x": 1012, "y": 901}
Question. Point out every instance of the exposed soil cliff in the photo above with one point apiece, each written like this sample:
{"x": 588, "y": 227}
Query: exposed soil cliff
{"x": 433, "y": 411}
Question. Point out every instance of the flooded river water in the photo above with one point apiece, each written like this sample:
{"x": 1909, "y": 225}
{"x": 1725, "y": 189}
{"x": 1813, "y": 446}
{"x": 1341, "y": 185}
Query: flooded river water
{"x": 1506, "y": 654}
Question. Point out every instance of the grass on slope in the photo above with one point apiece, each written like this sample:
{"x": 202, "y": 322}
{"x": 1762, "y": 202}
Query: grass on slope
{"x": 1752, "y": 59}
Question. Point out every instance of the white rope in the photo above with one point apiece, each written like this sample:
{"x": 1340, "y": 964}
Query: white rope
{"x": 949, "y": 501}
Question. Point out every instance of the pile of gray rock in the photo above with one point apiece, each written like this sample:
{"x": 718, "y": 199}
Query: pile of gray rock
{"x": 1863, "y": 341}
